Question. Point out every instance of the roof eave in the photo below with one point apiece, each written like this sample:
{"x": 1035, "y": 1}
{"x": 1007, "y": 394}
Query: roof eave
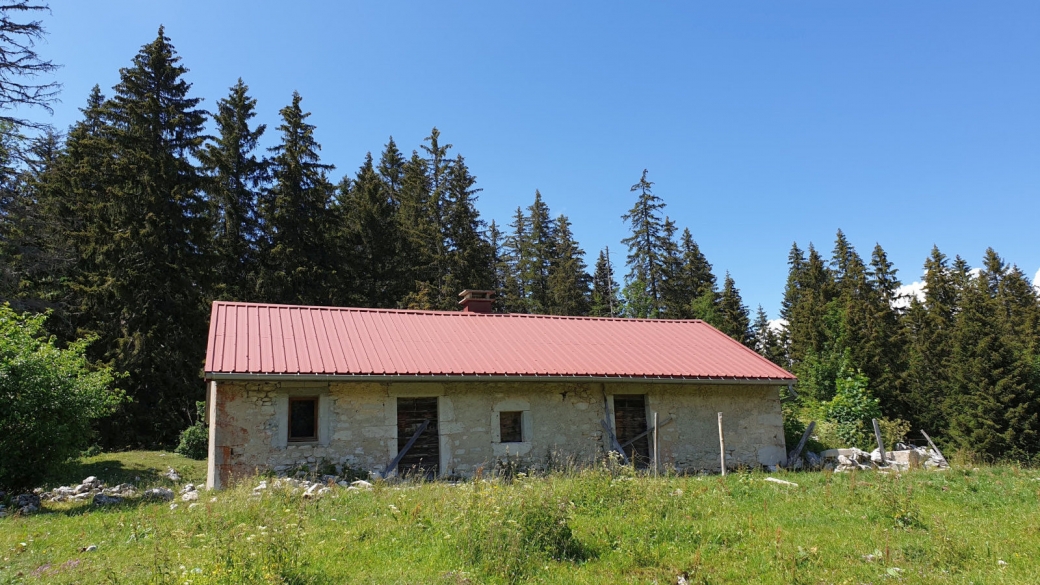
{"x": 238, "y": 376}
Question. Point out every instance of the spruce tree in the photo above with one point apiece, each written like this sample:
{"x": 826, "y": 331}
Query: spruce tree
{"x": 235, "y": 178}
{"x": 676, "y": 298}
{"x": 300, "y": 258}
{"x": 732, "y": 314}
{"x": 515, "y": 253}
{"x": 145, "y": 272}
{"x": 469, "y": 258}
{"x": 604, "y": 300}
{"x": 536, "y": 263}
{"x": 371, "y": 240}
{"x": 568, "y": 276}
{"x": 691, "y": 286}
{"x": 420, "y": 225}
{"x": 35, "y": 254}
{"x": 647, "y": 243}
{"x": 884, "y": 346}
{"x": 503, "y": 269}
{"x": 391, "y": 170}
{"x": 993, "y": 408}
{"x": 766, "y": 341}
{"x": 929, "y": 326}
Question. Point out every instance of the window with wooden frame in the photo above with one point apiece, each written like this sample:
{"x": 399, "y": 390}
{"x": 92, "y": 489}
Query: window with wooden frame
{"x": 511, "y": 426}
{"x": 303, "y": 419}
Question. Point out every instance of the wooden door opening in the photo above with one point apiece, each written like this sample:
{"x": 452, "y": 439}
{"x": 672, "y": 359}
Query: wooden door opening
{"x": 424, "y": 457}
{"x": 630, "y": 422}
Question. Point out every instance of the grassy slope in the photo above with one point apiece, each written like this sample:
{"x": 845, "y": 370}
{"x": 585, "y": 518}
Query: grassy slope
{"x": 950, "y": 527}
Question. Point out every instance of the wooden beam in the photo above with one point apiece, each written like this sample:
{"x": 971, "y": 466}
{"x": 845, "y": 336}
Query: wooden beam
{"x": 934, "y": 448}
{"x": 647, "y": 432}
{"x": 609, "y": 416}
{"x": 880, "y": 443}
{"x": 722, "y": 447}
{"x": 793, "y": 455}
{"x": 614, "y": 441}
{"x": 407, "y": 446}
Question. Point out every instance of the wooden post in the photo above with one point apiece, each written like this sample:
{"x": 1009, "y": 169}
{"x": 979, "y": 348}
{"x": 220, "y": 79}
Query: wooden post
{"x": 794, "y": 455}
{"x": 934, "y": 448}
{"x": 880, "y": 443}
{"x": 655, "y": 445}
{"x": 722, "y": 447}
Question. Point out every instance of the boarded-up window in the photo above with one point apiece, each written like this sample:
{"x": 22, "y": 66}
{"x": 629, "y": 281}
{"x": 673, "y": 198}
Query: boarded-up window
{"x": 630, "y": 422}
{"x": 303, "y": 419}
{"x": 511, "y": 427}
{"x": 423, "y": 458}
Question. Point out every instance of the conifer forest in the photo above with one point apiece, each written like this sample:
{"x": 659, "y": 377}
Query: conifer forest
{"x": 127, "y": 225}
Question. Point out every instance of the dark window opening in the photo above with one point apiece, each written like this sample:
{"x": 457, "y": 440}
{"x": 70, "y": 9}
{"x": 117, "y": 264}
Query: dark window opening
{"x": 510, "y": 426}
{"x": 630, "y": 422}
{"x": 303, "y": 419}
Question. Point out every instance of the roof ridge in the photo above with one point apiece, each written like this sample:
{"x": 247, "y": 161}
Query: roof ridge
{"x": 453, "y": 313}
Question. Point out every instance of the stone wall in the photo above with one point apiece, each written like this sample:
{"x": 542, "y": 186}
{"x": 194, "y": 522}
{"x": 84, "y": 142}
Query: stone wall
{"x": 357, "y": 424}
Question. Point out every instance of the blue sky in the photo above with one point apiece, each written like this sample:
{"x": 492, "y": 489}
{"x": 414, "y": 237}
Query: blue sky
{"x": 761, "y": 123}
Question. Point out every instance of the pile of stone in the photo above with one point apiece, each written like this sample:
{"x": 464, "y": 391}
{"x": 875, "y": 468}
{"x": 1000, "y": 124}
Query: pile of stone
{"x": 309, "y": 489}
{"x": 159, "y": 494}
{"x": 189, "y": 493}
{"x": 23, "y": 504}
{"x": 91, "y": 489}
{"x": 903, "y": 458}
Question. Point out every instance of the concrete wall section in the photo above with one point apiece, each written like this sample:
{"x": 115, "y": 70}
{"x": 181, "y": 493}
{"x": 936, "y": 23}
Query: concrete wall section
{"x": 357, "y": 424}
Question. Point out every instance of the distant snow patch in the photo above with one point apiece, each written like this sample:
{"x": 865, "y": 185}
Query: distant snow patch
{"x": 777, "y": 325}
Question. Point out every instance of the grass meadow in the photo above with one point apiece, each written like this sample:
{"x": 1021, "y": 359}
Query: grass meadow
{"x": 603, "y": 525}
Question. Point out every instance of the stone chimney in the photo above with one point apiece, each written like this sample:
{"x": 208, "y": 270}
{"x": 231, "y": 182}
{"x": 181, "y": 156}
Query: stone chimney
{"x": 476, "y": 301}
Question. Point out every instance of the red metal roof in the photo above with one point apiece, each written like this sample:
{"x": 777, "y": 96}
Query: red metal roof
{"x": 259, "y": 339}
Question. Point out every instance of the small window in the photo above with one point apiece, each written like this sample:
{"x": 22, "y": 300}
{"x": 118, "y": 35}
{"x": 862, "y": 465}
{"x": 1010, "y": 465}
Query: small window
{"x": 511, "y": 427}
{"x": 303, "y": 419}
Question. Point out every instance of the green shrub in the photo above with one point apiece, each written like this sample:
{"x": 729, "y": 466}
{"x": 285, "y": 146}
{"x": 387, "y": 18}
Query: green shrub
{"x": 194, "y": 442}
{"x": 50, "y": 398}
{"x": 852, "y": 409}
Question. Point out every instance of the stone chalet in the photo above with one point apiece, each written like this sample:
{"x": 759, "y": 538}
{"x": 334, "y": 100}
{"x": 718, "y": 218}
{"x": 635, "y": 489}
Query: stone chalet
{"x": 448, "y": 393}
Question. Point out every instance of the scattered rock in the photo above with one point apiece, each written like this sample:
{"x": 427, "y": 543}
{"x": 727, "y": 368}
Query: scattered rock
{"x": 173, "y": 506}
{"x": 26, "y": 504}
{"x": 103, "y": 500}
{"x": 90, "y": 548}
{"x": 361, "y": 484}
{"x": 188, "y": 488}
{"x": 189, "y": 496}
{"x": 172, "y": 475}
{"x": 781, "y": 481}
{"x": 158, "y": 494}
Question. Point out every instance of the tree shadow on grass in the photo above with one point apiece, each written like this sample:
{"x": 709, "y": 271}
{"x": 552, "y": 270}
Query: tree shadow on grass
{"x": 88, "y": 507}
{"x": 114, "y": 471}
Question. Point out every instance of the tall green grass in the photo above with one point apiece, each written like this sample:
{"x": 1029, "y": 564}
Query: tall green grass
{"x": 602, "y": 525}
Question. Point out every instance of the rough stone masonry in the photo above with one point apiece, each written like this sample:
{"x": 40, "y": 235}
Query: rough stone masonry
{"x": 357, "y": 424}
